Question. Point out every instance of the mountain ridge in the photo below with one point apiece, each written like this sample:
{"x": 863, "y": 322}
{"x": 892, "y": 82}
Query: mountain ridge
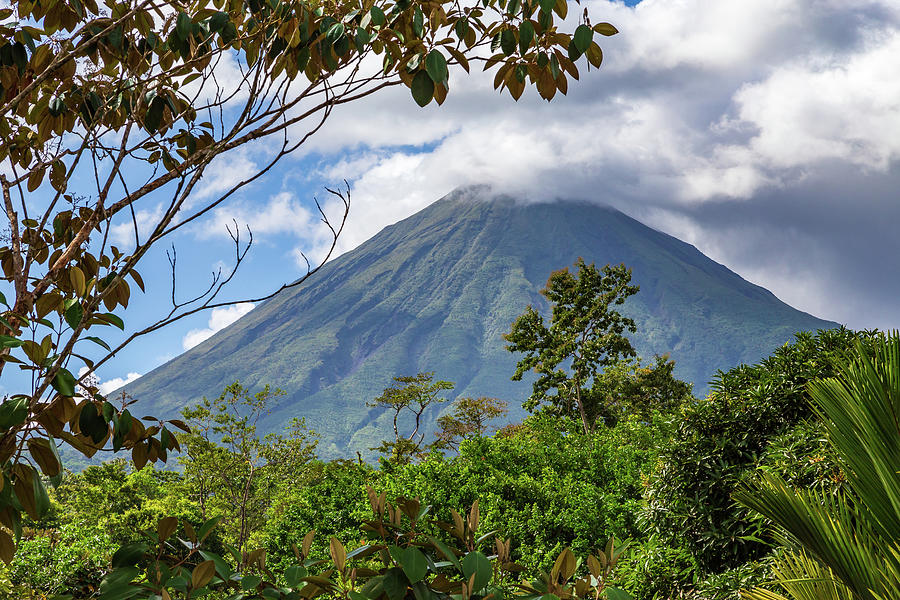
{"x": 436, "y": 291}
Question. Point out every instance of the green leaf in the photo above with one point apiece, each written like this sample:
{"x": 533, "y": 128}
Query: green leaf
{"x": 447, "y": 552}
{"x": 64, "y": 383}
{"x": 3, "y": 300}
{"x": 335, "y": 32}
{"x": 436, "y": 66}
{"x": 526, "y": 36}
{"x": 74, "y": 313}
{"x": 378, "y": 18}
{"x": 412, "y": 561}
{"x": 222, "y": 568}
{"x": 7, "y": 341}
{"x": 183, "y": 25}
{"x": 13, "y": 412}
{"x": 129, "y": 555}
{"x": 293, "y": 575}
{"x": 154, "y": 114}
{"x": 574, "y": 52}
{"x": 422, "y": 88}
{"x": 395, "y": 584}
{"x": 113, "y": 320}
{"x": 92, "y": 424}
{"x": 97, "y": 341}
{"x": 507, "y": 41}
{"x": 547, "y": 5}
{"x": 250, "y": 582}
{"x": 617, "y": 594}
{"x": 461, "y": 27}
{"x": 583, "y": 37}
{"x": 218, "y": 21}
{"x": 478, "y": 564}
{"x": 418, "y": 23}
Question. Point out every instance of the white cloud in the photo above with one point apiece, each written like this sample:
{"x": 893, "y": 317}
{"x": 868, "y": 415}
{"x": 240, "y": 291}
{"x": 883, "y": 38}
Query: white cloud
{"x": 219, "y": 318}
{"x": 123, "y": 233}
{"x": 111, "y": 385}
{"x": 697, "y": 104}
{"x": 115, "y": 383}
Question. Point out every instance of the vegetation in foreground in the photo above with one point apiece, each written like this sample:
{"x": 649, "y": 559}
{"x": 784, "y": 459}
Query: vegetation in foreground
{"x": 552, "y": 498}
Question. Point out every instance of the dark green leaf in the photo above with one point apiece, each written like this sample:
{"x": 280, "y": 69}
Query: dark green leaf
{"x": 413, "y": 563}
{"x": 422, "y": 88}
{"x": 574, "y": 52}
{"x": 526, "y": 36}
{"x": 478, "y": 564}
{"x": 218, "y": 21}
{"x": 129, "y": 555}
{"x": 92, "y": 424}
{"x": 154, "y": 114}
{"x": 418, "y": 23}
{"x": 377, "y": 15}
{"x": 73, "y": 314}
{"x": 183, "y": 25}
{"x": 97, "y": 341}
{"x": 64, "y": 383}
{"x": 13, "y": 412}
{"x": 395, "y": 584}
{"x": 582, "y": 38}
{"x": 436, "y": 66}
{"x": 507, "y": 41}
{"x": 617, "y": 594}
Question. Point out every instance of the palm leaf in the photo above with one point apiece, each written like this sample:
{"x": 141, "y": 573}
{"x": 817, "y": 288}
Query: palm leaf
{"x": 853, "y": 538}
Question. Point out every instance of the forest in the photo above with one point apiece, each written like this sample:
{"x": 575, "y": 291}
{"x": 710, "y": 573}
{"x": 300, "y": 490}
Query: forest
{"x": 670, "y": 491}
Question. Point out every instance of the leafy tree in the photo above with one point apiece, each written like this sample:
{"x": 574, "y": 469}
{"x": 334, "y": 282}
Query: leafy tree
{"x": 629, "y": 388}
{"x": 584, "y": 335}
{"x": 846, "y": 545}
{"x": 751, "y": 415}
{"x": 111, "y": 112}
{"x": 469, "y": 419}
{"x": 232, "y": 472}
{"x": 413, "y": 397}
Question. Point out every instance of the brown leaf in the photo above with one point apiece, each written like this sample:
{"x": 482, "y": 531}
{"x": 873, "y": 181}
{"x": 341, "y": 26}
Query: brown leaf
{"x": 7, "y": 547}
{"x": 166, "y": 527}
{"x": 44, "y": 456}
{"x": 203, "y": 574}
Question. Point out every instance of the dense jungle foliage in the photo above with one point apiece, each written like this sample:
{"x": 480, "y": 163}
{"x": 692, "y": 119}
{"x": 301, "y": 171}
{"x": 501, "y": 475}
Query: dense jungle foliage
{"x": 661, "y": 475}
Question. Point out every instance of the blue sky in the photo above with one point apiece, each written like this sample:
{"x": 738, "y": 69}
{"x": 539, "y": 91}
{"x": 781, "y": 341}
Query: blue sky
{"x": 765, "y": 133}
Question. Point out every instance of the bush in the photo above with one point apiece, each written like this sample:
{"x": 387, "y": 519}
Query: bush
{"x": 70, "y": 560}
{"x": 719, "y": 440}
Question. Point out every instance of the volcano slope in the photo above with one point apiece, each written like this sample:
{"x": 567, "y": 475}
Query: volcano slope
{"x": 436, "y": 292}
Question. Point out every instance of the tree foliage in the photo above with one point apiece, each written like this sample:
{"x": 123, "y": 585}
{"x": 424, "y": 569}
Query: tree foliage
{"x": 585, "y": 334}
{"x": 410, "y": 396}
{"x": 846, "y": 545}
{"x": 630, "y": 388}
{"x": 111, "y": 111}
{"x": 470, "y": 419}
{"x": 233, "y": 472}
{"x": 753, "y": 411}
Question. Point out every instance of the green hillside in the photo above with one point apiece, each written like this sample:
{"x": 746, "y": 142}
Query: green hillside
{"x": 436, "y": 291}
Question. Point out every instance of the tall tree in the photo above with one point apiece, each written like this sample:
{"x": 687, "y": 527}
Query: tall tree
{"x": 233, "y": 472}
{"x": 411, "y": 395}
{"x": 584, "y": 335}
{"x": 111, "y": 115}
